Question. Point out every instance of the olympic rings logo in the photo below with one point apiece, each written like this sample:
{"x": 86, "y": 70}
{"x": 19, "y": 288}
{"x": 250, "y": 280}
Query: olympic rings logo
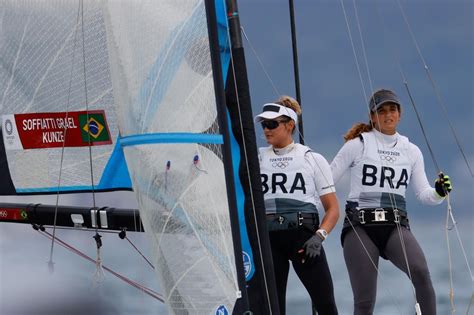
{"x": 281, "y": 165}
{"x": 8, "y": 127}
{"x": 3, "y": 214}
{"x": 389, "y": 159}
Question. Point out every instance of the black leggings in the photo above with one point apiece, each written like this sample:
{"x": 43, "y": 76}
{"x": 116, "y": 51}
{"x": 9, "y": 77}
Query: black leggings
{"x": 363, "y": 275}
{"x": 316, "y": 276}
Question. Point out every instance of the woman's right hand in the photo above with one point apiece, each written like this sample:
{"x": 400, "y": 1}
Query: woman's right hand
{"x": 443, "y": 185}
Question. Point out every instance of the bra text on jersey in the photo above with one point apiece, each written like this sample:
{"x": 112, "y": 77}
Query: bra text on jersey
{"x": 280, "y": 179}
{"x": 371, "y": 172}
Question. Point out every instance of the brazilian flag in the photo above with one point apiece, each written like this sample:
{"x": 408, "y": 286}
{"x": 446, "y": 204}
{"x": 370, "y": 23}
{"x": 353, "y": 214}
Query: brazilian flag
{"x": 93, "y": 127}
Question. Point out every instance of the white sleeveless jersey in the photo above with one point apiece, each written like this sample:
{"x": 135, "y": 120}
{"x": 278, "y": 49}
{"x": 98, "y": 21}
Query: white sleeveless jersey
{"x": 294, "y": 181}
{"x": 382, "y": 176}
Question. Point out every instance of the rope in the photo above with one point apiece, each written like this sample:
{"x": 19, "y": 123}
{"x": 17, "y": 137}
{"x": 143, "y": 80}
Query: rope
{"x": 450, "y": 215}
{"x": 450, "y": 264}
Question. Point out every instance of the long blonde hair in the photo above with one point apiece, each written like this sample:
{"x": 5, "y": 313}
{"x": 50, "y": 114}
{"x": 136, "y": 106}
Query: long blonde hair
{"x": 290, "y": 102}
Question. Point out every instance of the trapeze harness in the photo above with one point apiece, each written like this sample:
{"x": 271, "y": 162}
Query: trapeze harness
{"x": 378, "y": 185}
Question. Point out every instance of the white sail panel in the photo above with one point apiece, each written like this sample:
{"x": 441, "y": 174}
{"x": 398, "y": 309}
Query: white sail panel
{"x": 163, "y": 86}
{"x": 54, "y": 61}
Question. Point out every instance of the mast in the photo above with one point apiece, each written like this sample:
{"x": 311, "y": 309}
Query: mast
{"x": 296, "y": 68}
{"x": 242, "y": 304}
{"x": 261, "y": 287}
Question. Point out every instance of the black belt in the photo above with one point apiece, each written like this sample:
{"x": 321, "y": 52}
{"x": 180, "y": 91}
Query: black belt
{"x": 372, "y": 216}
{"x": 294, "y": 220}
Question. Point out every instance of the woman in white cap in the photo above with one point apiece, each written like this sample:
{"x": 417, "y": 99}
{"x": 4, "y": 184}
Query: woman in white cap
{"x": 382, "y": 163}
{"x": 294, "y": 178}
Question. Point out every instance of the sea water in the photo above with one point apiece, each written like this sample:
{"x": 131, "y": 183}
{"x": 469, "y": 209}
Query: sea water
{"x": 26, "y": 287}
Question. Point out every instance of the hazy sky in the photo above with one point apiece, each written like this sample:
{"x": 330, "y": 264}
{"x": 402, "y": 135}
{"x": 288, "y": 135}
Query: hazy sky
{"x": 332, "y": 94}
{"x": 332, "y": 100}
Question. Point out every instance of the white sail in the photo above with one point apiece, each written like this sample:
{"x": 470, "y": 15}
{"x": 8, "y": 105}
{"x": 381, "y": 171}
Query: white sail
{"x": 54, "y": 67}
{"x": 163, "y": 87}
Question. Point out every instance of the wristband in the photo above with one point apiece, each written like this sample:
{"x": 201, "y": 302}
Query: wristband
{"x": 322, "y": 233}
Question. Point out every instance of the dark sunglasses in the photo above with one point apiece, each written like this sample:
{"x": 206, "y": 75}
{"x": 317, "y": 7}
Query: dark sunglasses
{"x": 272, "y": 124}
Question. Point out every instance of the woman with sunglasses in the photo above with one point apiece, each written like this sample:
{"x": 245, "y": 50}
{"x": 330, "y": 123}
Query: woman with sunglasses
{"x": 382, "y": 163}
{"x": 294, "y": 179}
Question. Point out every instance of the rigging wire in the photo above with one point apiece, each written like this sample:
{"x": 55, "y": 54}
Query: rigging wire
{"x": 411, "y": 99}
{"x": 137, "y": 285}
{"x": 50, "y": 262}
{"x": 365, "y": 95}
{"x": 97, "y": 237}
{"x": 435, "y": 87}
{"x": 107, "y": 232}
{"x": 449, "y": 209}
{"x": 412, "y": 102}
{"x": 277, "y": 92}
{"x": 141, "y": 254}
{"x": 391, "y": 196}
{"x": 87, "y": 105}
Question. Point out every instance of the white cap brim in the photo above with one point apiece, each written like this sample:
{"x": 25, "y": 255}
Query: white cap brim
{"x": 272, "y": 111}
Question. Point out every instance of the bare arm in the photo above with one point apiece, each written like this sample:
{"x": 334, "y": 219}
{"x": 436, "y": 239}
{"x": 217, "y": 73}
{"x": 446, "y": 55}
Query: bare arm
{"x": 331, "y": 209}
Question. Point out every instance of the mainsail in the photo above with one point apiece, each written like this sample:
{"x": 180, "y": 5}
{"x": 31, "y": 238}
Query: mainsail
{"x": 54, "y": 88}
{"x": 88, "y": 85}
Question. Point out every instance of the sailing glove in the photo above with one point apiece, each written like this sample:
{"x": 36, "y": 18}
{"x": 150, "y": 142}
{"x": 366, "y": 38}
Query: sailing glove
{"x": 312, "y": 248}
{"x": 443, "y": 185}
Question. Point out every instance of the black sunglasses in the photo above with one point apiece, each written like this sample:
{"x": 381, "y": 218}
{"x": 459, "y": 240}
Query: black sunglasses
{"x": 272, "y": 124}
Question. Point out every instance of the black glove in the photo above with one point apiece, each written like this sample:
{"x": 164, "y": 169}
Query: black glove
{"x": 312, "y": 248}
{"x": 443, "y": 185}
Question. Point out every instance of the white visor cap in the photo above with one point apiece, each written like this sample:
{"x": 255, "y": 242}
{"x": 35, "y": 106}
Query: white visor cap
{"x": 272, "y": 111}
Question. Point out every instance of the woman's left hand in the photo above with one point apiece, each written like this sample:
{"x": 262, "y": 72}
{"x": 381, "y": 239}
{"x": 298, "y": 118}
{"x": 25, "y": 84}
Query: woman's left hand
{"x": 312, "y": 248}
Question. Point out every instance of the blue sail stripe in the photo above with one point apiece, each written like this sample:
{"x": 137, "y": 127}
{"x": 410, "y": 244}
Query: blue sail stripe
{"x": 116, "y": 171}
{"x": 177, "y": 137}
{"x": 54, "y": 189}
